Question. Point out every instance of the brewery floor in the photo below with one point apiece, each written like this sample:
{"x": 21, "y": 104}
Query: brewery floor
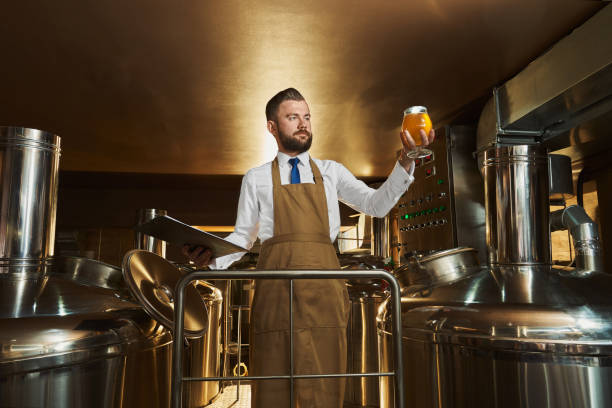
{"x": 227, "y": 399}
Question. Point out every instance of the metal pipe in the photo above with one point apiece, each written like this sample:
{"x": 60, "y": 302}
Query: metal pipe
{"x": 516, "y": 188}
{"x": 226, "y": 328}
{"x": 28, "y": 196}
{"x": 381, "y": 245}
{"x": 239, "y": 351}
{"x": 585, "y": 235}
{"x": 147, "y": 242}
{"x": 291, "y": 356}
{"x": 179, "y": 310}
{"x": 288, "y": 377}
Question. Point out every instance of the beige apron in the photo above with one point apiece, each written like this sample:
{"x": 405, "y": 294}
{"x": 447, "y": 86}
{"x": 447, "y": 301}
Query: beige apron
{"x": 300, "y": 241}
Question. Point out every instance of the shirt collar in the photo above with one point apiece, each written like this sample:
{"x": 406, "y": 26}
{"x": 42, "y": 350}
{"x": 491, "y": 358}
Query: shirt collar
{"x": 283, "y": 159}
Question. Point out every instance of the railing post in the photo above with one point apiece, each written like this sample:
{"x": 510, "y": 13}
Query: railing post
{"x": 177, "y": 354}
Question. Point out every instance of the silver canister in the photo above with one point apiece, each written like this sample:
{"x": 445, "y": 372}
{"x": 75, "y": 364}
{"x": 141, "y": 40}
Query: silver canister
{"x": 362, "y": 343}
{"x": 516, "y": 188}
{"x": 380, "y": 237}
{"x": 29, "y": 164}
{"x": 147, "y": 242}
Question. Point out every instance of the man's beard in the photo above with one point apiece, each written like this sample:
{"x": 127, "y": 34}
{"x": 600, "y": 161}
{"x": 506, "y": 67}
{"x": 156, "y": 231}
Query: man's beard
{"x": 295, "y": 144}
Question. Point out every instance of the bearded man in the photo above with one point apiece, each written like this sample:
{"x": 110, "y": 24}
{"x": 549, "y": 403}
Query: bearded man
{"x": 291, "y": 204}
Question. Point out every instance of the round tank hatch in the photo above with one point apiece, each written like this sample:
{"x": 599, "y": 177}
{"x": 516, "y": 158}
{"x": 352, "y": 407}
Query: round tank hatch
{"x": 152, "y": 280}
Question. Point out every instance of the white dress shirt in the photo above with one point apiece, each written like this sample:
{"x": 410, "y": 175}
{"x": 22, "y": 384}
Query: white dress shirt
{"x": 256, "y": 204}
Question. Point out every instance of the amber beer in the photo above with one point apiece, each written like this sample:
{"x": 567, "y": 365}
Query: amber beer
{"x": 415, "y": 119}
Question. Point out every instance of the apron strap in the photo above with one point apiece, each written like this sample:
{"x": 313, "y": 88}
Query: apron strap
{"x": 318, "y": 179}
{"x": 275, "y": 173}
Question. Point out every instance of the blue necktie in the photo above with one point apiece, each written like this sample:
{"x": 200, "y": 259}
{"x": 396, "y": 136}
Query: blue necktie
{"x": 295, "y": 173}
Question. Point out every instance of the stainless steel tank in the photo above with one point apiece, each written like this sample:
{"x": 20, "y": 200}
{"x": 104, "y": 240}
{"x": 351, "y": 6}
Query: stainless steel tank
{"x": 203, "y": 354}
{"x": 366, "y": 297}
{"x": 83, "y": 346}
{"x": 518, "y": 333}
{"x": 203, "y": 357}
{"x": 71, "y": 335}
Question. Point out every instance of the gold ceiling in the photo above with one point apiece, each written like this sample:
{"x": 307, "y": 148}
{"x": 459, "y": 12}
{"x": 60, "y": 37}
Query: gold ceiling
{"x": 162, "y": 86}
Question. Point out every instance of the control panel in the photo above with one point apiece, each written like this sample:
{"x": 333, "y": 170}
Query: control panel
{"x": 443, "y": 207}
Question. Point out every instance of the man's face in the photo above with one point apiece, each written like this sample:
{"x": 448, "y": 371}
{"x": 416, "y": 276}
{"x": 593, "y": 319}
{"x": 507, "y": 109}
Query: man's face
{"x": 292, "y": 127}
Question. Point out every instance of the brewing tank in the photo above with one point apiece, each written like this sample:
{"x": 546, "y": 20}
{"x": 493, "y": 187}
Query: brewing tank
{"x": 71, "y": 333}
{"x": 79, "y": 347}
{"x": 515, "y": 333}
{"x": 365, "y": 296}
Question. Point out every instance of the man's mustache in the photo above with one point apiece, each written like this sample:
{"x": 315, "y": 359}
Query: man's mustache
{"x": 302, "y": 132}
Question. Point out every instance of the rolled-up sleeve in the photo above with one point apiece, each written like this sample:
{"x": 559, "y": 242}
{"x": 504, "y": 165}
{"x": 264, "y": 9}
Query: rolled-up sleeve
{"x": 376, "y": 202}
{"x": 247, "y": 223}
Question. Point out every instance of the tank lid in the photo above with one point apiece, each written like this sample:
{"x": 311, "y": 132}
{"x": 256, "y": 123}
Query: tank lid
{"x": 446, "y": 252}
{"x": 41, "y": 342}
{"x": 519, "y": 308}
{"x": 152, "y": 280}
{"x": 90, "y": 272}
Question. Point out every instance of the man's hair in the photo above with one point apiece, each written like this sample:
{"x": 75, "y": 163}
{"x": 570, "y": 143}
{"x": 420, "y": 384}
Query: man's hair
{"x": 289, "y": 94}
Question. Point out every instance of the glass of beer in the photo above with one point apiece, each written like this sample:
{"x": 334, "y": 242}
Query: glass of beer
{"x": 415, "y": 119}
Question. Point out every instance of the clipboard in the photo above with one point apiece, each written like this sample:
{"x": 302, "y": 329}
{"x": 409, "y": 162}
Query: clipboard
{"x": 178, "y": 233}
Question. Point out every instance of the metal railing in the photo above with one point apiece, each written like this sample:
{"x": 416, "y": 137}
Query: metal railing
{"x": 179, "y": 305}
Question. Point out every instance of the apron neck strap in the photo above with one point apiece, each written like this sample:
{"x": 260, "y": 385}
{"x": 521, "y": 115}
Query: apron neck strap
{"x": 316, "y": 173}
{"x": 275, "y": 173}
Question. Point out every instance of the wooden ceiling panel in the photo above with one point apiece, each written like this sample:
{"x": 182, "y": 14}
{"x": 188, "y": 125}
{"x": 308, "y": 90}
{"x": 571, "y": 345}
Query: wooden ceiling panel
{"x": 180, "y": 87}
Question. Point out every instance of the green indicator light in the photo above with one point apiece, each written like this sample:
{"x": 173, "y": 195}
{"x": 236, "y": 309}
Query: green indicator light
{"x": 429, "y": 211}
{"x": 435, "y": 210}
{"x": 440, "y": 181}
{"x": 442, "y": 208}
